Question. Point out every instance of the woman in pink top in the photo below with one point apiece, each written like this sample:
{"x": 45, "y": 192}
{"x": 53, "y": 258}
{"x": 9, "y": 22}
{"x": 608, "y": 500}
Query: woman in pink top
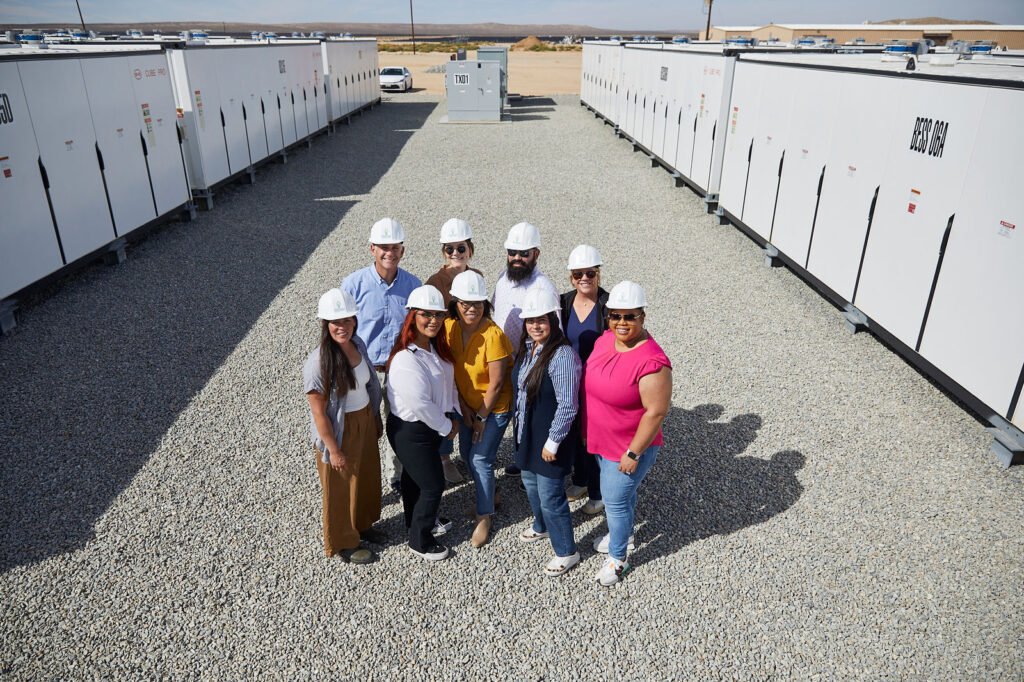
{"x": 627, "y": 392}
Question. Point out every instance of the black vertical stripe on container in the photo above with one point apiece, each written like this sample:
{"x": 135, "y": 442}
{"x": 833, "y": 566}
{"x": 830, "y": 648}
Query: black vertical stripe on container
{"x": 714, "y": 129}
{"x": 1016, "y": 395}
{"x": 245, "y": 125}
{"x": 106, "y": 190}
{"x": 184, "y": 166}
{"x": 814, "y": 221}
{"x": 224, "y": 135}
{"x": 864, "y": 249}
{"x": 746, "y": 180}
{"x": 693, "y": 146}
{"x": 149, "y": 174}
{"x": 771, "y": 230}
{"x": 49, "y": 202}
{"x": 935, "y": 280}
{"x": 266, "y": 135}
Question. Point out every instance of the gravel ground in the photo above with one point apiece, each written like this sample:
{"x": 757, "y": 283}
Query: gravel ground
{"x": 820, "y": 510}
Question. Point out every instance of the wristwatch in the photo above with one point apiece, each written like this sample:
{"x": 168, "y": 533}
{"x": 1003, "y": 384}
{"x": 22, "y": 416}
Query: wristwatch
{"x": 477, "y": 417}
{"x": 632, "y": 455}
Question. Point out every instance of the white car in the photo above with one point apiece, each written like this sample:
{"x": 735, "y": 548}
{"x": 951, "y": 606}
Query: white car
{"x": 395, "y": 78}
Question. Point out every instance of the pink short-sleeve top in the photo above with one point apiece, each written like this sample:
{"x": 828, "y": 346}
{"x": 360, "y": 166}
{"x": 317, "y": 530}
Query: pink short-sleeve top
{"x": 612, "y": 406}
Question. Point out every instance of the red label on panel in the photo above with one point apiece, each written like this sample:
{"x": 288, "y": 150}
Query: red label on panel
{"x": 1009, "y": 226}
{"x": 911, "y": 208}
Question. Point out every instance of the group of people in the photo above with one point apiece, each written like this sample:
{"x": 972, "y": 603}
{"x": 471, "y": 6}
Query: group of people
{"x": 583, "y": 383}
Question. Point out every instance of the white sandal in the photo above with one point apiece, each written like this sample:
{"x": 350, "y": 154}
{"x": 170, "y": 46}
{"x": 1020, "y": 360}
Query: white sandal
{"x": 561, "y": 564}
{"x": 530, "y": 535}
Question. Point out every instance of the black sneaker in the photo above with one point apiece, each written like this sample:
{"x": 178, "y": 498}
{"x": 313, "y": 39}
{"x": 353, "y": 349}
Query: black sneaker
{"x": 373, "y": 536}
{"x": 513, "y": 470}
{"x": 435, "y": 552}
{"x": 396, "y": 487}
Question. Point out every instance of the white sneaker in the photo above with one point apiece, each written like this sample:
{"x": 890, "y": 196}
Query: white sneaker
{"x": 435, "y": 553}
{"x": 611, "y": 572}
{"x": 530, "y": 535}
{"x": 575, "y": 492}
{"x": 593, "y": 507}
{"x": 441, "y": 526}
{"x": 451, "y": 471}
{"x": 561, "y": 564}
{"x": 601, "y": 544}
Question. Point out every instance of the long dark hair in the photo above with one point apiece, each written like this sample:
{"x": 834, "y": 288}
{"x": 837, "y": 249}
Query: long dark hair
{"x": 334, "y": 368}
{"x": 556, "y": 339}
{"x": 408, "y": 335}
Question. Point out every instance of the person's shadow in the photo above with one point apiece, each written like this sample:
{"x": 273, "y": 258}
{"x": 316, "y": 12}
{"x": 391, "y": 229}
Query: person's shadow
{"x": 702, "y": 485}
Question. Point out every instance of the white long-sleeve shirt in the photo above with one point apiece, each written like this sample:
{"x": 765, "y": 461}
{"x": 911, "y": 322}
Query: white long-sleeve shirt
{"x": 421, "y": 388}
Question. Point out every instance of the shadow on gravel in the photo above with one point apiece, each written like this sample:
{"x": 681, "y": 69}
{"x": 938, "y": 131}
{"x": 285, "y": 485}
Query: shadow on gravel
{"x": 89, "y": 394}
{"x": 702, "y": 485}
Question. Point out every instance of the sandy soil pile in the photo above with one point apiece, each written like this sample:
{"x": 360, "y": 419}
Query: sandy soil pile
{"x": 526, "y": 43}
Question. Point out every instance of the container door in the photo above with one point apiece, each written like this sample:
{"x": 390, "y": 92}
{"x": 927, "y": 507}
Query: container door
{"x": 319, "y": 88}
{"x": 689, "y": 109}
{"x": 157, "y": 122}
{"x": 67, "y": 145}
{"x": 28, "y": 241}
{"x": 931, "y": 149}
{"x": 203, "y": 126}
{"x": 232, "y": 65}
{"x": 280, "y": 67}
{"x": 716, "y": 92}
{"x": 297, "y": 97}
{"x": 861, "y": 143}
{"x": 253, "y": 84}
{"x": 739, "y": 141}
{"x": 975, "y": 330}
{"x": 767, "y": 161}
{"x": 108, "y": 83}
{"x": 806, "y": 155}
{"x": 661, "y": 82}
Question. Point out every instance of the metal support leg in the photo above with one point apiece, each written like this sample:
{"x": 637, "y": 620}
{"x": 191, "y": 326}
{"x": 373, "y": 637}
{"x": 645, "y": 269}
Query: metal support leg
{"x": 115, "y": 253}
{"x": 206, "y": 195}
{"x": 720, "y": 214}
{"x": 7, "y": 321}
{"x": 771, "y": 257}
{"x": 189, "y": 213}
{"x": 251, "y": 172}
{"x": 856, "y": 321}
{"x": 1007, "y": 449}
{"x": 711, "y": 203}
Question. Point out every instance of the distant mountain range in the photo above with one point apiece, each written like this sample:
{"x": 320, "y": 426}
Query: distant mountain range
{"x": 424, "y": 30}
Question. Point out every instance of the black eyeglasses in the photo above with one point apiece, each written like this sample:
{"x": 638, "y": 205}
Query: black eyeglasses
{"x": 471, "y": 304}
{"x": 578, "y": 274}
{"x": 521, "y": 253}
{"x": 431, "y": 315}
{"x": 627, "y": 317}
{"x": 449, "y": 249}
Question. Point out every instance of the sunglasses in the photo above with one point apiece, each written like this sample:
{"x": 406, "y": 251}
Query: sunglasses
{"x": 449, "y": 249}
{"x": 431, "y": 315}
{"x": 466, "y": 305}
{"x": 522, "y": 254}
{"x": 627, "y": 317}
{"x": 578, "y": 274}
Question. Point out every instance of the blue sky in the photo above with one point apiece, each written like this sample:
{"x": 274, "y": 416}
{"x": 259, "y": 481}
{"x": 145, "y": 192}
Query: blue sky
{"x": 656, "y": 15}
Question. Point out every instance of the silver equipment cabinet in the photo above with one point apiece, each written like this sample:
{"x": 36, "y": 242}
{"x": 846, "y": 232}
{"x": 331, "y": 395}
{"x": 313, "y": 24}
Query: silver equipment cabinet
{"x": 494, "y": 53}
{"x": 474, "y": 91}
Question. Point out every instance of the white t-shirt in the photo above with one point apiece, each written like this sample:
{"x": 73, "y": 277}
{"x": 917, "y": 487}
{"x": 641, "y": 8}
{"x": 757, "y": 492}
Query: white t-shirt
{"x": 357, "y": 397}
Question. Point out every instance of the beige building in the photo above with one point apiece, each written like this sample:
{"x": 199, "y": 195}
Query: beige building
{"x": 1009, "y": 36}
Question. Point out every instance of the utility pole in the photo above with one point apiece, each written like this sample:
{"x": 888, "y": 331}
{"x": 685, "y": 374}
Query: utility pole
{"x": 83, "y": 20}
{"x": 412, "y": 25}
{"x": 707, "y": 31}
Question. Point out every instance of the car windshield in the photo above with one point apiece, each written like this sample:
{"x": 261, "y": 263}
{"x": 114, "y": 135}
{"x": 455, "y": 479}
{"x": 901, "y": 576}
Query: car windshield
{"x": 391, "y": 72}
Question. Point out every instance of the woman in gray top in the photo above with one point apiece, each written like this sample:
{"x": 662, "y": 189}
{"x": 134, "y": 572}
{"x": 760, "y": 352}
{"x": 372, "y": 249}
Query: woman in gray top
{"x": 345, "y": 425}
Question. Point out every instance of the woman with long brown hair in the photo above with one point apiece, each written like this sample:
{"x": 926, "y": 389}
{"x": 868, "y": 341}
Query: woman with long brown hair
{"x": 344, "y": 403}
{"x": 424, "y": 406}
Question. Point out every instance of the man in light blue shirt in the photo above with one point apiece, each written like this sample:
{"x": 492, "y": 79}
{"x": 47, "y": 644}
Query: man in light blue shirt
{"x": 381, "y": 291}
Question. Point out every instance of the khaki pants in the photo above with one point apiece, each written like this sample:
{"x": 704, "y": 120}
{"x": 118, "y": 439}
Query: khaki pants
{"x": 351, "y": 500}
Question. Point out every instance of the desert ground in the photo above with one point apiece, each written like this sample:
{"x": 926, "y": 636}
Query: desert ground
{"x": 529, "y": 73}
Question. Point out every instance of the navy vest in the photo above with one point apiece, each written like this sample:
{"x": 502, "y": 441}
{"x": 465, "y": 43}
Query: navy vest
{"x": 535, "y": 428}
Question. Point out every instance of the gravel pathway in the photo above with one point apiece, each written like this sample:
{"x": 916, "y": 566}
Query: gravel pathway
{"x": 820, "y": 510}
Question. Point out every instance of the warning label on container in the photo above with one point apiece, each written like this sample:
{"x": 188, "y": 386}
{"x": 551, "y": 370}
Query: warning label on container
{"x": 199, "y": 110}
{"x": 5, "y": 167}
{"x": 850, "y": 171}
{"x": 69, "y": 145}
{"x": 1006, "y": 229}
{"x": 147, "y": 120}
{"x": 915, "y": 201}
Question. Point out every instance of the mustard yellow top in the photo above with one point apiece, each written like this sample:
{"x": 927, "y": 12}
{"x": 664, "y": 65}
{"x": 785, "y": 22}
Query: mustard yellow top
{"x": 487, "y": 344}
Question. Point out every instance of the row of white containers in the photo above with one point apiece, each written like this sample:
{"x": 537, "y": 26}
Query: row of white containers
{"x": 96, "y": 142}
{"x": 897, "y": 193}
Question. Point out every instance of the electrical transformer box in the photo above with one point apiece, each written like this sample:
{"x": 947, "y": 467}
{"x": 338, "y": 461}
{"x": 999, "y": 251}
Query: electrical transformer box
{"x": 496, "y": 53}
{"x": 474, "y": 91}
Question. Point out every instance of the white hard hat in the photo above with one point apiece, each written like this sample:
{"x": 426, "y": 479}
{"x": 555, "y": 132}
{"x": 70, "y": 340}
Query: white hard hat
{"x": 455, "y": 230}
{"x": 387, "y": 231}
{"x": 336, "y": 304}
{"x": 523, "y": 236}
{"x": 626, "y": 295}
{"x": 539, "y": 302}
{"x": 426, "y": 297}
{"x": 584, "y": 256}
{"x": 469, "y": 286}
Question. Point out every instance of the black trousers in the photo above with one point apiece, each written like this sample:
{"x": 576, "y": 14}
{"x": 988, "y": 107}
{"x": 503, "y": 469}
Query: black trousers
{"x": 585, "y": 469}
{"x": 416, "y": 445}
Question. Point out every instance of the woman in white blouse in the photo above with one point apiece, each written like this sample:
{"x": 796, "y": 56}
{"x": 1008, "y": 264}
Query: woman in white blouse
{"x": 421, "y": 390}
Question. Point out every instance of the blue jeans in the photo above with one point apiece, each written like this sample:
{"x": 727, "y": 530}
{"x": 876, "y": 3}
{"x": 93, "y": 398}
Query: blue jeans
{"x": 551, "y": 510}
{"x": 619, "y": 492}
{"x": 479, "y": 457}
